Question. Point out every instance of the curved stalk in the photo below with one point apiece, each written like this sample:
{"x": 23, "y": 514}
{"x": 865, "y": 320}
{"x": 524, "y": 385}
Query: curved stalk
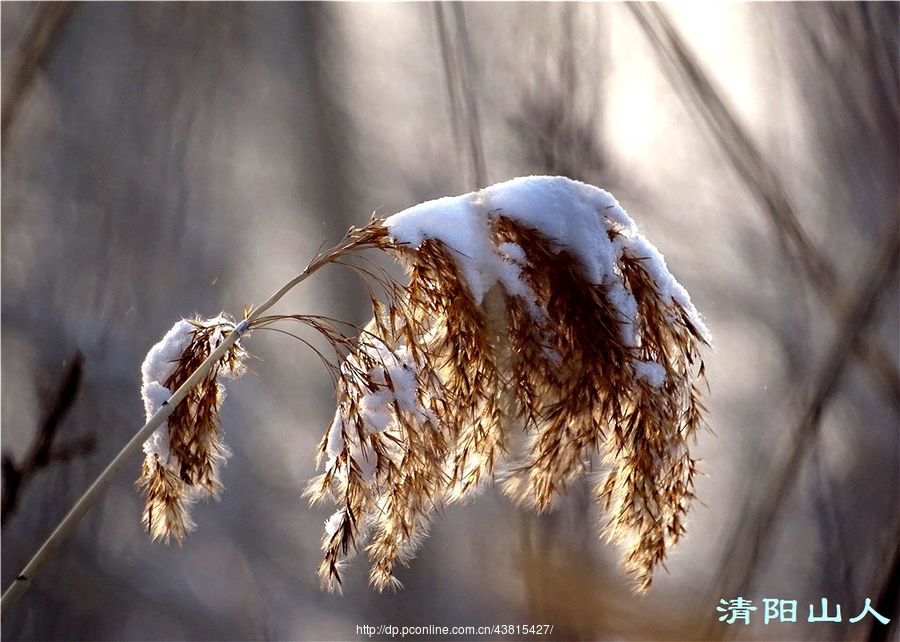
{"x": 90, "y": 496}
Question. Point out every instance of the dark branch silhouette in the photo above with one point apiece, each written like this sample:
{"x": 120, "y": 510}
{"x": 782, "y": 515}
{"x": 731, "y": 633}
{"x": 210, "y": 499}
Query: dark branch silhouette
{"x": 43, "y": 450}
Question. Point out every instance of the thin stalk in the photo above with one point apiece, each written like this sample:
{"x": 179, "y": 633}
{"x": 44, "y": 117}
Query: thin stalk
{"x": 90, "y": 496}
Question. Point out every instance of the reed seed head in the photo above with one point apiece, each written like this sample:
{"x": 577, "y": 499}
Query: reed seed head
{"x": 528, "y": 349}
{"x": 182, "y": 458}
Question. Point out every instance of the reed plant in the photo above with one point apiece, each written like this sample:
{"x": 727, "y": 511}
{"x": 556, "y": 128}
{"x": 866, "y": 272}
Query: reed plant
{"x": 538, "y": 338}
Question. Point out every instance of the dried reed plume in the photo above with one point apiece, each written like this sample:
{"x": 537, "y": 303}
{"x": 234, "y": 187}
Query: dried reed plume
{"x": 528, "y": 379}
{"x": 540, "y": 334}
{"x": 183, "y": 457}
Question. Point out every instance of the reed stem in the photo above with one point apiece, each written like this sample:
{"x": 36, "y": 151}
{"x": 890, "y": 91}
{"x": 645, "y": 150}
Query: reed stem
{"x": 88, "y": 499}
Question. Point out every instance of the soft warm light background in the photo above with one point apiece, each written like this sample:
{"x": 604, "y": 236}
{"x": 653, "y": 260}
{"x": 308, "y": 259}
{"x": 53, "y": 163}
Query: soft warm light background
{"x": 166, "y": 159}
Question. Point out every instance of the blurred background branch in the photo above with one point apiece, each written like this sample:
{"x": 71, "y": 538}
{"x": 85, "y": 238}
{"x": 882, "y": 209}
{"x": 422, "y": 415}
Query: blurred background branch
{"x": 459, "y": 69}
{"x": 44, "y": 33}
{"x": 692, "y": 83}
{"x": 753, "y": 532}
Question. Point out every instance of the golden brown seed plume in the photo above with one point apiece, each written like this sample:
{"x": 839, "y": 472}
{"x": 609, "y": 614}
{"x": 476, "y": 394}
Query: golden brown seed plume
{"x": 183, "y": 457}
{"x": 539, "y": 332}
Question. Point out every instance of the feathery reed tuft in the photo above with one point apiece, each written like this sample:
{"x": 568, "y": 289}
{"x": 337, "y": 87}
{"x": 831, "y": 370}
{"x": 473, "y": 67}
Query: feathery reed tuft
{"x": 539, "y": 333}
{"x": 182, "y": 458}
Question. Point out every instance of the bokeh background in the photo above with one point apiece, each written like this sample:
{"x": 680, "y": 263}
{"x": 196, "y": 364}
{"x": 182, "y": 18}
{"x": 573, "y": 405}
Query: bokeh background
{"x": 165, "y": 159}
